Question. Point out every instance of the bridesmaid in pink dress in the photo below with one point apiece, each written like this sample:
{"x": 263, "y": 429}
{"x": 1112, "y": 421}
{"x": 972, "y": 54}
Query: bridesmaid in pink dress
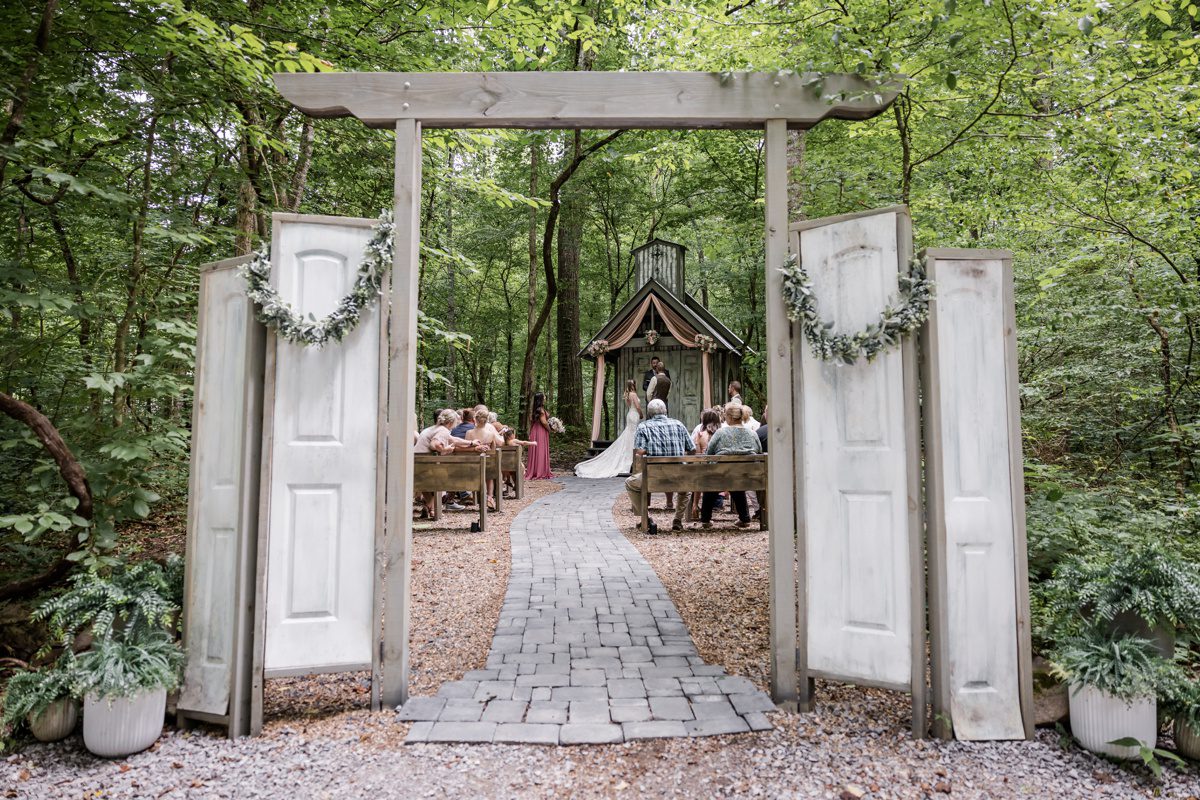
{"x": 539, "y": 455}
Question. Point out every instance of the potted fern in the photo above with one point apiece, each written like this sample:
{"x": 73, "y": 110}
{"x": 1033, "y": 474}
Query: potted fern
{"x": 43, "y": 699}
{"x": 1112, "y": 679}
{"x": 133, "y": 660}
{"x": 124, "y": 682}
{"x": 1143, "y": 590}
{"x": 1182, "y": 704}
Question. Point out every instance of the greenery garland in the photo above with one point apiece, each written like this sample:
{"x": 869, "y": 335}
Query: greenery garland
{"x": 274, "y": 312}
{"x": 846, "y": 348}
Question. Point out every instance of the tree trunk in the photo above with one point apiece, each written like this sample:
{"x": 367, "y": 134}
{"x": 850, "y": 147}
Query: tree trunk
{"x": 133, "y": 279}
{"x": 20, "y": 95}
{"x": 570, "y": 371}
{"x": 527, "y": 375}
{"x": 451, "y": 280}
{"x": 795, "y": 168}
{"x": 303, "y": 161}
{"x": 71, "y": 472}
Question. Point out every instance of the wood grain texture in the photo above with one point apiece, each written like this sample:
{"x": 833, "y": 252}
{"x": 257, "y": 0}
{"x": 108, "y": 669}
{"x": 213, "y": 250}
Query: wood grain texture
{"x": 402, "y": 397}
{"x": 222, "y": 527}
{"x": 780, "y": 455}
{"x": 322, "y": 491}
{"x": 976, "y": 498}
{"x": 856, "y": 460}
{"x": 585, "y": 99}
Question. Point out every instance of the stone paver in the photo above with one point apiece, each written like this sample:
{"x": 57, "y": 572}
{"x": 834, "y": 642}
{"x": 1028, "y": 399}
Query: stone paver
{"x": 589, "y": 648}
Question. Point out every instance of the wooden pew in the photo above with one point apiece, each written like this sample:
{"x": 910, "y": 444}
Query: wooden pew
{"x": 455, "y": 473}
{"x": 701, "y": 474}
{"x": 511, "y": 461}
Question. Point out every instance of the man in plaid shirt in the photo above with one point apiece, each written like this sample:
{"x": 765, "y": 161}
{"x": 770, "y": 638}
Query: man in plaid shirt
{"x": 659, "y": 435}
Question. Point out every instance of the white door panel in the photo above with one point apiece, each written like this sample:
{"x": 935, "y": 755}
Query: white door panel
{"x": 855, "y": 465}
{"x": 322, "y": 462}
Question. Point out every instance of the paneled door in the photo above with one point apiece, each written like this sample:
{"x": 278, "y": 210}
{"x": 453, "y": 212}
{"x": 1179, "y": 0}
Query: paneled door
{"x": 857, "y": 461}
{"x": 321, "y": 453}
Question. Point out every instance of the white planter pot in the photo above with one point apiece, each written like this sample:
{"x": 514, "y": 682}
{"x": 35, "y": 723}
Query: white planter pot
{"x": 1187, "y": 740}
{"x": 1098, "y": 718}
{"x": 56, "y": 721}
{"x": 121, "y": 726}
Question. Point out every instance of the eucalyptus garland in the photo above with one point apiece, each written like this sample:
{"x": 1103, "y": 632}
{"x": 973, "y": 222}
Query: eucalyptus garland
{"x": 846, "y": 348}
{"x": 274, "y": 312}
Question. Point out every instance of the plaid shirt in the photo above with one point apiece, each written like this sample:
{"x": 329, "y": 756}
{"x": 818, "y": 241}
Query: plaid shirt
{"x": 663, "y": 436}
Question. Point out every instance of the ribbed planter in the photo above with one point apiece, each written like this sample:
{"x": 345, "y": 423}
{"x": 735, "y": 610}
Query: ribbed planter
{"x": 56, "y": 721}
{"x": 1187, "y": 740}
{"x": 1098, "y": 718}
{"x": 121, "y": 726}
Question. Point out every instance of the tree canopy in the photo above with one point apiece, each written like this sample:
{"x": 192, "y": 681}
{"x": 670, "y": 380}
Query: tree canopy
{"x": 142, "y": 139}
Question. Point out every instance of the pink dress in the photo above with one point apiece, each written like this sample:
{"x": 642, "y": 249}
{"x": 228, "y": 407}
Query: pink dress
{"x": 539, "y": 456}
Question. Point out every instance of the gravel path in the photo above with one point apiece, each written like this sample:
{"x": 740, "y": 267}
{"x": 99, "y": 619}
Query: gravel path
{"x": 857, "y": 739}
{"x": 589, "y": 648}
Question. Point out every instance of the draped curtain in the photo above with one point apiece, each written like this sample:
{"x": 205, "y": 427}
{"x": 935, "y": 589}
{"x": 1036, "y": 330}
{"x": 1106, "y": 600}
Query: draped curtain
{"x": 677, "y": 325}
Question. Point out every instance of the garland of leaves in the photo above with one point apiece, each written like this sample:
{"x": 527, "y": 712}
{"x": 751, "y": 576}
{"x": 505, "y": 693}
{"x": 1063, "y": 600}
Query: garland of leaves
{"x": 275, "y": 313}
{"x": 895, "y": 322}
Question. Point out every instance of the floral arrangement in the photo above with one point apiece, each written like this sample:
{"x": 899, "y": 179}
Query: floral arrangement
{"x": 705, "y": 343}
{"x": 652, "y": 337}
{"x": 556, "y": 425}
{"x": 598, "y": 347}
{"x": 290, "y": 324}
{"x": 893, "y": 325}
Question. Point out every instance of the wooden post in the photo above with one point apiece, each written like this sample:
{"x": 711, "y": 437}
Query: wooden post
{"x": 781, "y": 458}
{"x": 402, "y": 395}
{"x": 597, "y": 397}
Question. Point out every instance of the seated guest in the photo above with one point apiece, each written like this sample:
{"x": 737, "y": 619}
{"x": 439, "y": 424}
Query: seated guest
{"x": 763, "y": 433}
{"x": 438, "y": 439}
{"x": 748, "y": 420}
{"x": 728, "y": 441}
{"x": 659, "y": 435}
{"x": 466, "y": 421}
{"x": 510, "y": 476}
{"x": 495, "y": 422}
{"x": 710, "y": 423}
{"x": 483, "y": 432}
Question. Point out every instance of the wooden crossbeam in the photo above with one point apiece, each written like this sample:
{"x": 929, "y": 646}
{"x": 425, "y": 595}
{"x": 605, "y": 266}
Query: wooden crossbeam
{"x": 741, "y": 100}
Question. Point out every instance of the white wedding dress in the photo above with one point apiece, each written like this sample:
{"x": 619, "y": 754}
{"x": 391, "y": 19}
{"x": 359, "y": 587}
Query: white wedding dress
{"x": 617, "y": 458}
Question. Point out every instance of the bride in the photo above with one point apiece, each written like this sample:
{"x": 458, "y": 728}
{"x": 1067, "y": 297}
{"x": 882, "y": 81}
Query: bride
{"x": 617, "y": 459}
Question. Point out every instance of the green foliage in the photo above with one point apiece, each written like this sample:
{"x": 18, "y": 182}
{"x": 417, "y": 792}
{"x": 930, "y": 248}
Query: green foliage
{"x": 1180, "y": 696}
{"x": 1123, "y": 666}
{"x": 126, "y": 665}
{"x": 31, "y": 691}
{"x": 1137, "y": 577}
{"x": 1150, "y": 755}
{"x": 131, "y": 600}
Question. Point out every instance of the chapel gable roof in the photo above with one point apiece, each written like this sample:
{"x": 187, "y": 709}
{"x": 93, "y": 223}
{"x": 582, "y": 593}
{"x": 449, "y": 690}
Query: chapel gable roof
{"x": 690, "y": 309}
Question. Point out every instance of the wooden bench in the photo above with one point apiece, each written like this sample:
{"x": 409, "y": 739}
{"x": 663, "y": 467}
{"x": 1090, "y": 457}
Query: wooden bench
{"x": 701, "y": 474}
{"x": 511, "y": 461}
{"x": 453, "y": 473}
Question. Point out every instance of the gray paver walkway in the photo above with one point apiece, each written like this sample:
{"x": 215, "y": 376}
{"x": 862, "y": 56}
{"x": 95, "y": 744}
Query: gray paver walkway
{"x": 589, "y": 648}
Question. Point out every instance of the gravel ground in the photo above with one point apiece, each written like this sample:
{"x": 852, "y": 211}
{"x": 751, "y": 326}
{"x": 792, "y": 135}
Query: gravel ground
{"x": 856, "y": 741}
{"x": 458, "y": 584}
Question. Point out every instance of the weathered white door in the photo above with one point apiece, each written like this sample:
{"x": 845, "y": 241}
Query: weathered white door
{"x": 976, "y": 500}
{"x": 321, "y": 454}
{"x": 857, "y": 429}
{"x": 222, "y": 499}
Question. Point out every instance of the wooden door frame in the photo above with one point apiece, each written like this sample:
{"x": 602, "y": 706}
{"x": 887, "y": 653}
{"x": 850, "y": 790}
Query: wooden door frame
{"x": 409, "y": 102}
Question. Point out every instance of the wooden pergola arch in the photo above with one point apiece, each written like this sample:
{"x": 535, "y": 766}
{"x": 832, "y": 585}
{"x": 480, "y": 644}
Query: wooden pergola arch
{"x": 409, "y": 102}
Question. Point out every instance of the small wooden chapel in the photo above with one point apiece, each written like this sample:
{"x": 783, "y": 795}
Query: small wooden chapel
{"x": 661, "y": 319}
